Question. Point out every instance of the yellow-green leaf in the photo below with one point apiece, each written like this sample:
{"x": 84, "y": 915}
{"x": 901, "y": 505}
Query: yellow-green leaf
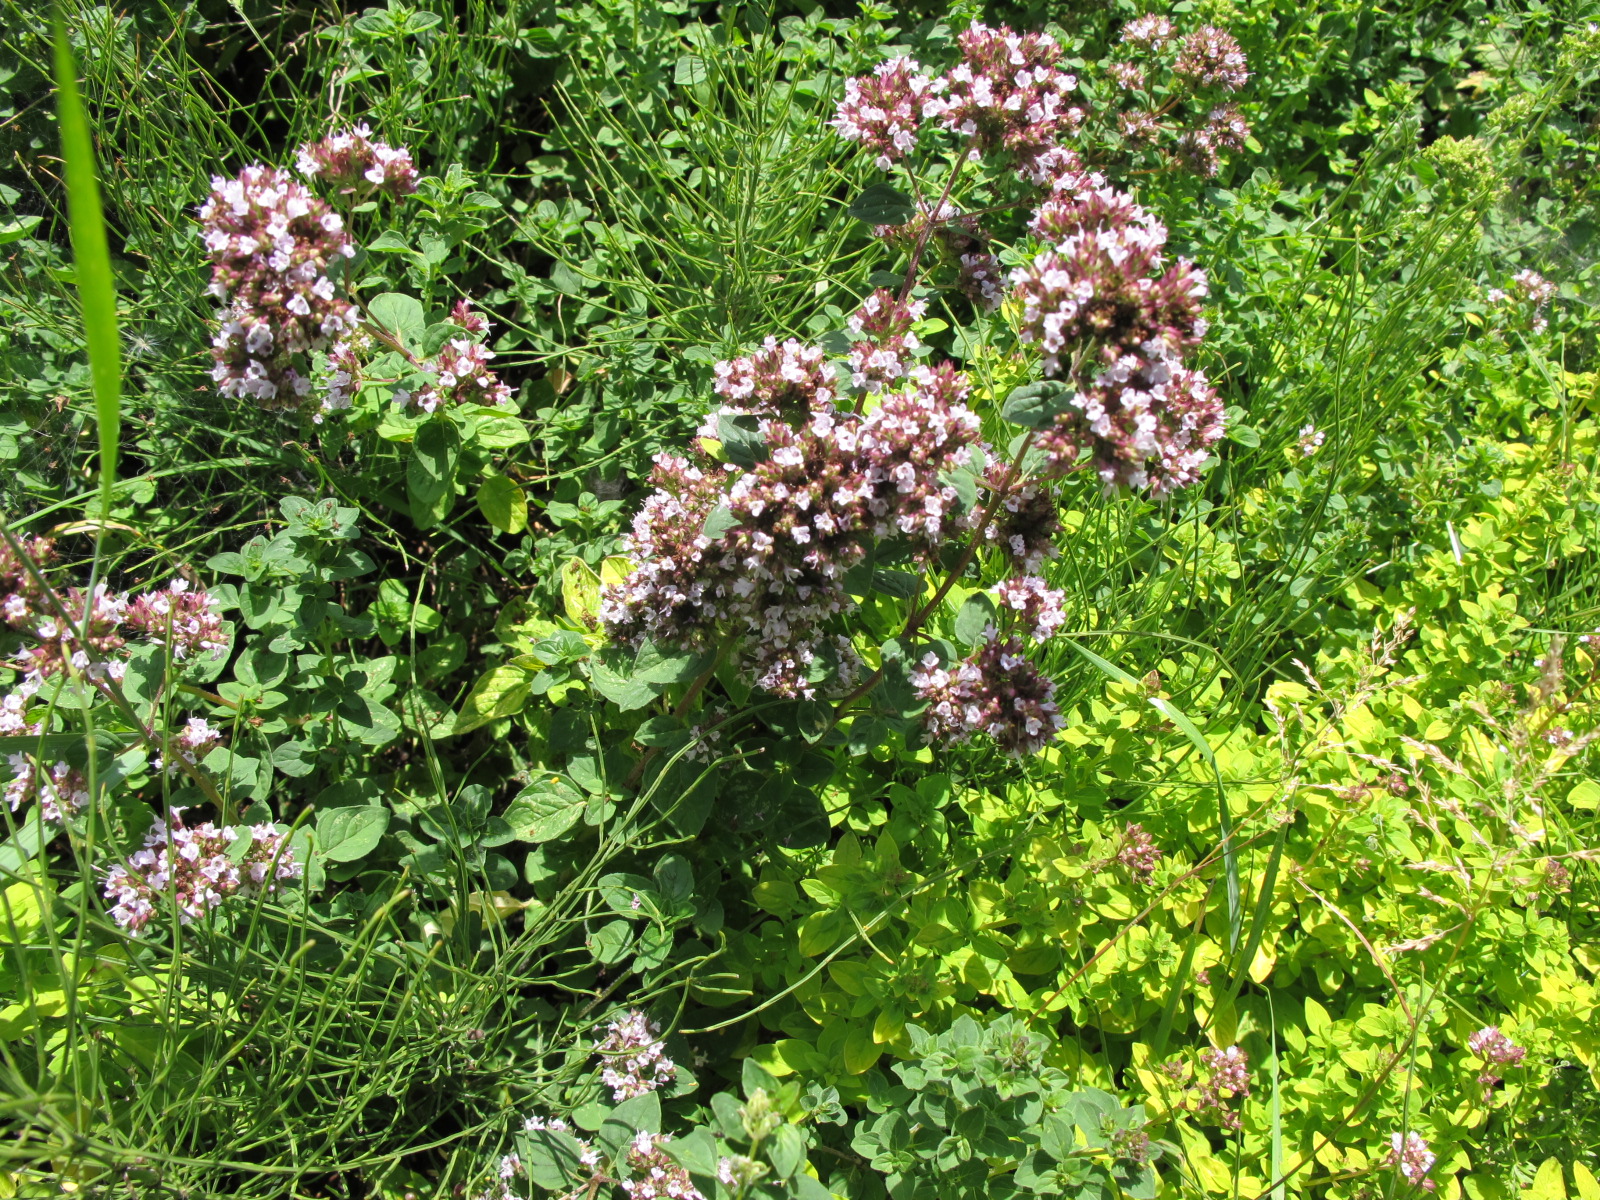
{"x": 1548, "y": 1182}
{"x": 499, "y": 693}
{"x": 1317, "y": 1018}
{"x": 503, "y": 504}
{"x": 1585, "y": 796}
{"x": 580, "y": 593}
{"x": 889, "y": 1026}
{"x": 1584, "y": 1182}
{"x": 860, "y": 1050}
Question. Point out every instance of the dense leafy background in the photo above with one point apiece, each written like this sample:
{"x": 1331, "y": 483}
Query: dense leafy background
{"x": 862, "y": 930}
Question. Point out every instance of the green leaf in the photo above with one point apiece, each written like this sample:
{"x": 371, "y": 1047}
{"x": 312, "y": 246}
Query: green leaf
{"x": 92, "y": 260}
{"x": 901, "y": 584}
{"x": 401, "y": 315}
{"x": 627, "y": 694}
{"x": 436, "y": 335}
{"x": 976, "y": 615}
{"x": 580, "y": 593}
{"x": 17, "y": 229}
{"x": 787, "y": 1150}
{"x": 690, "y": 70}
{"x": 1585, "y": 796}
{"x": 882, "y": 204}
{"x": 501, "y": 692}
{"x": 346, "y": 834}
{"x": 544, "y": 810}
{"x": 503, "y": 504}
{"x": 567, "y": 280}
{"x": 655, "y": 664}
{"x": 720, "y": 521}
{"x": 389, "y": 240}
{"x": 741, "y": 438}
{"x": 1036, "y": 405}
{"x": 611, "y": 942}
{"x": 431, "y": 473}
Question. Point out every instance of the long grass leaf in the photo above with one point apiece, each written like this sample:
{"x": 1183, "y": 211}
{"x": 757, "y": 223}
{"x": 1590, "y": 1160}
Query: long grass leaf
{"x": 1258, "y": 919}
{"x": 91, "y": 254}
{"x": 1279, "y": 1189}
{"x": 1197, "y": 739}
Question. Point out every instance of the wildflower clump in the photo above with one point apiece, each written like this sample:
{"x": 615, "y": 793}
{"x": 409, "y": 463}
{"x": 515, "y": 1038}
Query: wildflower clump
{"x": 67, "y": 633}
{"x": 271, "y": 243}
{"x": 1114, "y": 321}
{"x": 759, "y": 542}
{"x": 634, "y": 1058}
{"x": 354, "y": 163}
{"x": 277, "y": 252}
{"x": 61, "y": 790}
{"x": 199, "y": 867}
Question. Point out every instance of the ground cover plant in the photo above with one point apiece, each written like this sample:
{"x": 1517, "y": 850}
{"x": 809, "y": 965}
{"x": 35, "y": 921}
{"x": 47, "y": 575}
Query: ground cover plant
{"x": 736, "y": 601}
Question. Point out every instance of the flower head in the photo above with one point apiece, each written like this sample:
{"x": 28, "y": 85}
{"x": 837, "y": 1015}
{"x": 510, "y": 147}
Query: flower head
{"x": 197, "y": 866}
{"x": 353, "y": 162}
{"x": 1411, "y": 1155}
{"x": 996, "y": 691}
{"x": 1209, "y": 57}
{"x": 884, "y": 110}
{"x": 271, "y": 243}
{"x": 634, "y": 1057}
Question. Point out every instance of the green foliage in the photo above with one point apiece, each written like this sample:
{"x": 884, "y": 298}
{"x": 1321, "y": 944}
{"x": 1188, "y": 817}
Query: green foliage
{"x": 1326, "y": 789}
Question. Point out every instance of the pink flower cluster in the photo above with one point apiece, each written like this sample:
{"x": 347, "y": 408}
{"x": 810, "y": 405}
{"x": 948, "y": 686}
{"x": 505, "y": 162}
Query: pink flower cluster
{"x": 461, "y": 369}
{"x": 788, "y": 528}
{"x": 1149, "y": 32}
{"x": 184, "y": 620}
{"x": 63, "y": 643}
{"x": 1006, "y": 93}
{"x": 1025, "y": 525}
{"x": 1210, "y": 57}
{"x": 1530, "y": 290}
{"x": 61, "y": 791}
{"x": 788, "y": 379}
{"x": 1201, "y": 149}
{"x": 1037, "y": 605}
{"x": 1207, "y": 60}
{"x": 634, "y": 1056}
{"x": 1496, "y": 1050}
{"x": 271, "y": 243}
{"x": 1411, "y": 1155}
{"x": 884, "y": 110}
{"x": 1495, "y": 1047}
{"x": 882, "y": 353}
{"x": 1112, "y": 318}
{"x": 995, "y": 690}
{"x": 1139, "y": 853}
{"x": 353, "y": 162}
{"x": 655, "y": 1175}
{"x": 189, "y": 744}
{"x": 1228, "y": 1077}
{"x": 195, "y": 866}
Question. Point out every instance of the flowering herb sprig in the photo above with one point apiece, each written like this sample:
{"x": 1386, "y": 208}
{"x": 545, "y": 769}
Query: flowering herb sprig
{"x": 67, "y": 635}
{"x": 289, "y": 337}
{"x": 758, "y": 543}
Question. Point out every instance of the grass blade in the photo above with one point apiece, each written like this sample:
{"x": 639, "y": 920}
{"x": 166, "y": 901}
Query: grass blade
{"x": 1279, "y": 1189}
{"x": 91, "y": 255}
{"x": 1197, "y": 739}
